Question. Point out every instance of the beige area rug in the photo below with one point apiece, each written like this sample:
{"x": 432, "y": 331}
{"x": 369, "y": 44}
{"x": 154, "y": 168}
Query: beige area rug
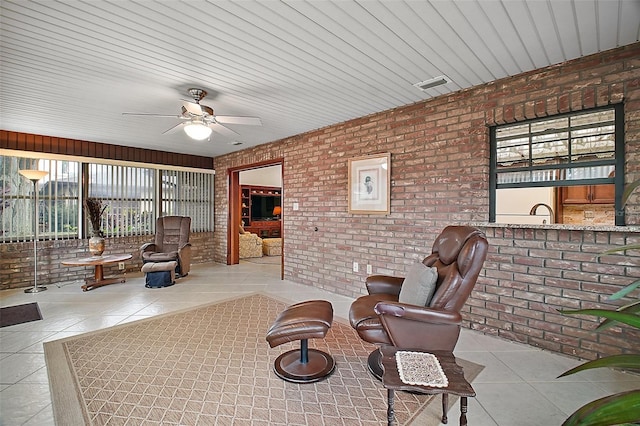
{"x": 211, "y": 365}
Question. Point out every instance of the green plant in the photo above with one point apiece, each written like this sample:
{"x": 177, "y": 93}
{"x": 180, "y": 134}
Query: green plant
{"x": 623, "y": 407}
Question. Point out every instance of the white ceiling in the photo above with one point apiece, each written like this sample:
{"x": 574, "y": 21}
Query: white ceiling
{"x": 71, "y": 68}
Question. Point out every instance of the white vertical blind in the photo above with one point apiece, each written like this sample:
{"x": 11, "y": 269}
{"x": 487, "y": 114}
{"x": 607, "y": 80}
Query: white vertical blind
{"x": 131, "y": 195}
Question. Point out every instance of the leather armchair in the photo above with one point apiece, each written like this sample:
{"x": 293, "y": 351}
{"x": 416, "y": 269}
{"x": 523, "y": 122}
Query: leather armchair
{"x": 171, "y": 243}
{"x": 458, "y": 253}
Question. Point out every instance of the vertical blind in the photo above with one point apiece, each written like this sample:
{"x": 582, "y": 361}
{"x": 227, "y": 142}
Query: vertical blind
{"x": 129, "y": 193}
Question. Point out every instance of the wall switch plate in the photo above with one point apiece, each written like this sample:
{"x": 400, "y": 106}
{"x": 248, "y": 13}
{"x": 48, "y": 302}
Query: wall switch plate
{"x": 355, "y": 266}
{"x": 296, "y": 206}
{"x": 121, "y": 266}
{"x": 369, "y": 269}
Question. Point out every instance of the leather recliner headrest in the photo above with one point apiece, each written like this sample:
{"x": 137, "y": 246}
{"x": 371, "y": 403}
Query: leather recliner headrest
{"x": 449, "y": 243}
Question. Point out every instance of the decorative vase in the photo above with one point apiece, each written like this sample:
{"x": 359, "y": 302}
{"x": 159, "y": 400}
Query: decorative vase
{"x": 96, "y": 246}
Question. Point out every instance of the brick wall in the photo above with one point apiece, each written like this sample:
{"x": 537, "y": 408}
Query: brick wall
{"x": 16, "y": 259}
{"x": 531, "y": 273}
{"x": 439, "y": 172}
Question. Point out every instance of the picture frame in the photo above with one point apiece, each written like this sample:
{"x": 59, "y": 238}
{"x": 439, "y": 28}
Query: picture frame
{"x": 370, "y": 184}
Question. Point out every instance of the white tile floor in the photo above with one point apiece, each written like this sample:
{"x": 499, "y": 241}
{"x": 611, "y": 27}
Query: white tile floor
{"x": 518, "y": 385}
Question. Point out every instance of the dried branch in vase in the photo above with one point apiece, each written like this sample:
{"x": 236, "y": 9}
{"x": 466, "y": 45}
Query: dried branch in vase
{"x": 94, "y": 209}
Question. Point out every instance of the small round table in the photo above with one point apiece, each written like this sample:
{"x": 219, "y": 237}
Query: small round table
{"x": 98, "y": 279}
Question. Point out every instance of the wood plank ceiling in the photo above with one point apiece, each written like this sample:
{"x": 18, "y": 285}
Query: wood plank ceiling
{"x": 70, "y": 68}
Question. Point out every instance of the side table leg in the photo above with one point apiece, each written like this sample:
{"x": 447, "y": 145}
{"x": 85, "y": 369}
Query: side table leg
{"x": 445, "y": 405}
{"x": 390, "y": 411}
{"x": 463, "y": 411}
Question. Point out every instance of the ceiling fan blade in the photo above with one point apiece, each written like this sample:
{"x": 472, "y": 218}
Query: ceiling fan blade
{"x": 219, "y": 128}
{"x": 174, "y": 128}
{"x": 192, "y": 107}
{"x": 143, "y": 114}
{"x": 230, "y": 119}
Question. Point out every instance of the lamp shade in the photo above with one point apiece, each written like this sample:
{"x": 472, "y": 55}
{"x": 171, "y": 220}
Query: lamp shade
{"x": 277, "y": 210}
{"x": 34, "y": 175}
{"x": 197, "y": 131}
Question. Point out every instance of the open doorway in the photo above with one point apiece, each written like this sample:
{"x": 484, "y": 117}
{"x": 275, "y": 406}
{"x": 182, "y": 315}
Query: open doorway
{"x": 255, "y": 214}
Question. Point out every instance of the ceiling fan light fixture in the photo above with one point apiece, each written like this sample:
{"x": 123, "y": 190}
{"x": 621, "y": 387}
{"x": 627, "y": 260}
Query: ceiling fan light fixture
{"x": 197, "y": 130}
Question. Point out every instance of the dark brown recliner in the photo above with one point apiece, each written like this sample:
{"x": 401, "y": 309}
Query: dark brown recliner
{"x": 171, "y": 243}
{"x": 458, "y": 254}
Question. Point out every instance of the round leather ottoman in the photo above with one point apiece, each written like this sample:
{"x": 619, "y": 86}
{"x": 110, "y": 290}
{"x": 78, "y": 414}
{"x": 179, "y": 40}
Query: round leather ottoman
{"x": 302, "y": 321}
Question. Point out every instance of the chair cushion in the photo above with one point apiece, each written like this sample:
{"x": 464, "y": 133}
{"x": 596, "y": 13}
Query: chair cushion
{"x": 364, "y": 319}
{"x": 159, "y": 257}
{"x": 419, "y": 285}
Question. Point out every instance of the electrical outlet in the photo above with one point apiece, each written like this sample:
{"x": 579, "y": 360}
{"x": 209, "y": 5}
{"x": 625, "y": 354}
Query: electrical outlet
{"x": 121, "y": 266}
{"x": 355, "y": 266}
{"x": 369, "y": 269}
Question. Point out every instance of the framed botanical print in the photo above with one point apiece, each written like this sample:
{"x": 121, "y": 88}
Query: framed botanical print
{"x": 370, "y": 184}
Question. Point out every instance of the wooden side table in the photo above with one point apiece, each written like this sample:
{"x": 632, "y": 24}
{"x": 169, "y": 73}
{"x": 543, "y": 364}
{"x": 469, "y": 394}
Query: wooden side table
{"x": 98, "y": 262}
{"x": 458, "y": 385}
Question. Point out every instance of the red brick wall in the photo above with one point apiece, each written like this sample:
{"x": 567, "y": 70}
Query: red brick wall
{"x": 439, "y": 172}
{"x": 531, "y": 273}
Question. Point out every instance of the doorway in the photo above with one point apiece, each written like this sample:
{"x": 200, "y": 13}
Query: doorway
{"x": 259, "y": 176}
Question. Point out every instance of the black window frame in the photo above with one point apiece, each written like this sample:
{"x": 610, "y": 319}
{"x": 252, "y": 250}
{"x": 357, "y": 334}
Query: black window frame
{"x": 617, "y": 179}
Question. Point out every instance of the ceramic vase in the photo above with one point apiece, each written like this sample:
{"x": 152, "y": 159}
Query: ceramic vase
{"x": 96, "y": 246}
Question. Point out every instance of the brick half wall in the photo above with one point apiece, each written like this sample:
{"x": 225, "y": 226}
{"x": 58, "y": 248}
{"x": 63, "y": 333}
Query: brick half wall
{"x": 530, "y": 274}
{"x": 16, "y": 259}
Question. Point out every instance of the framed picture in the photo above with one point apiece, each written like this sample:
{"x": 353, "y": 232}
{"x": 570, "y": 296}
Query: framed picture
{"x": 370, "y": 184}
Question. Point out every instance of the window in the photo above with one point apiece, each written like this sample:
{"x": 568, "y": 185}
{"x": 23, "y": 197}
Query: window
{"x": 187, "y": 194}
{"x": 539, "y": 162}
{"x": 58, "y": 213}
{"x": 130, "y": 193}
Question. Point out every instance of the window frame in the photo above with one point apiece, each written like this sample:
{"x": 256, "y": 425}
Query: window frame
{"x": 205, "y": 176}
{"x": 619, "y": 161}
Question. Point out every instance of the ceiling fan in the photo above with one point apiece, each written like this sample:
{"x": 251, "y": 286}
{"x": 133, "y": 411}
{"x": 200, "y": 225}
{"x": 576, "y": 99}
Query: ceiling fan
{"x": 200, "y": 120}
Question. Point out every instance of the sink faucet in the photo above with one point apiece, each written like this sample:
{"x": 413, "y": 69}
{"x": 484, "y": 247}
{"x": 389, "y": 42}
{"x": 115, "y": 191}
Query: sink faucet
{"x": 535, "y": 207}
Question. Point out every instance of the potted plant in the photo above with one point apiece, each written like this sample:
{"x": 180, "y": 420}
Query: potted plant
{"x": 623, "y": 407}
{"x": 94, "y": 210}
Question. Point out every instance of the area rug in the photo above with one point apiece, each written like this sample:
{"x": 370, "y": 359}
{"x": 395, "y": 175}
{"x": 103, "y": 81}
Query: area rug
{"x": 12, "y": 315}
{"x": 211, "y": 365}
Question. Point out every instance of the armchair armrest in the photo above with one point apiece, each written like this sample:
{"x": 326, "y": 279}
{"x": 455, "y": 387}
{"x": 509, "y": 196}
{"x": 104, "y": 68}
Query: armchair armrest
{"x": 184, "y": 256}
{"x": 147, "y": 247}
{"x": 417, "y": 313}
{"x": 384, "y": 284}
{"x": 417, "y": 327}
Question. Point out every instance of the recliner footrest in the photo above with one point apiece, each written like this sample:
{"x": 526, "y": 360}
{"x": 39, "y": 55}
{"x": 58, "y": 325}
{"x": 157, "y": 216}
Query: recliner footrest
{"x": 160, "y": 274}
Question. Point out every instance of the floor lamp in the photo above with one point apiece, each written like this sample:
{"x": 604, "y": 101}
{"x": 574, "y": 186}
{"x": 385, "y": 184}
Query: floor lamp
{"x": 34, "y": 176}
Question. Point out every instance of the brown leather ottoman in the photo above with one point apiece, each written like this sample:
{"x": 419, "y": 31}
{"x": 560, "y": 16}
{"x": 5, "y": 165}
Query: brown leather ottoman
{"x": 302, "y": 321}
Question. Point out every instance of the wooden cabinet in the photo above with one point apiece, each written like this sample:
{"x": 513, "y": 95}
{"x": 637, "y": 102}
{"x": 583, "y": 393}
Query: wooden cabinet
{"x": 245, "y": 205}
{"x": 588, "y": 194}
{"x": 257, "y": 205}
{"x": 265, "y": 228}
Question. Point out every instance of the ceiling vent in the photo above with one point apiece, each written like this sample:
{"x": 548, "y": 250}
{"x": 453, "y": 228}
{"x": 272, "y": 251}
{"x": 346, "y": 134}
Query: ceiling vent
{"x": 436, "y": 81}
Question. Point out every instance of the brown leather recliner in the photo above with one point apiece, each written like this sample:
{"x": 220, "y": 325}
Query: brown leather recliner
{"x": 171, "y": 243}
{"x": 458, "y": 254}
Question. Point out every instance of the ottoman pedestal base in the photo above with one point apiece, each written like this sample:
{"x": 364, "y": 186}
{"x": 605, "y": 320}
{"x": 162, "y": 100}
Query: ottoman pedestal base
{"x": 304, "y": 365}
